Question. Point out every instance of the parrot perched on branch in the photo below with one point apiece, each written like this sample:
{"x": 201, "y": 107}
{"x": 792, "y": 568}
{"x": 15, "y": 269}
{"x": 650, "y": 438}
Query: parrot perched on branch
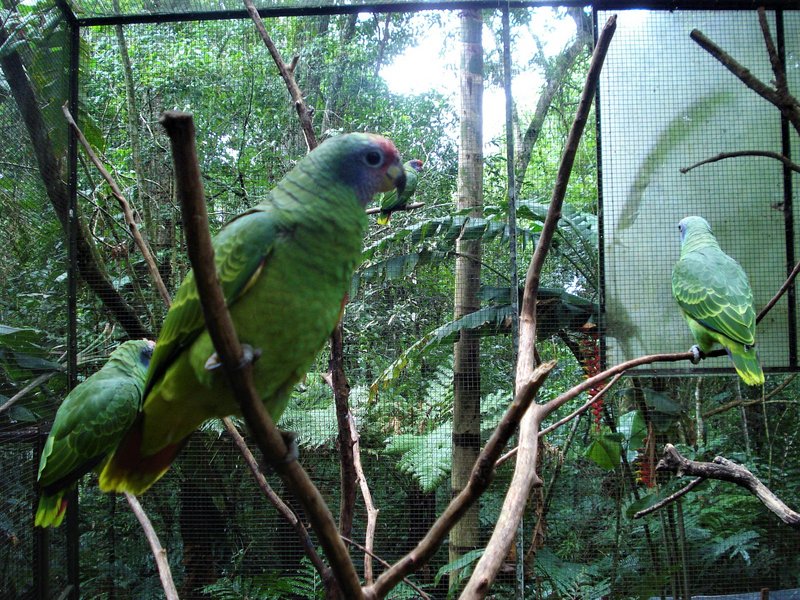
{"x": 715, "y": 297}
{"x": 396, "y": 200}
{"x": 285, "y": 267}
{"x": 89, "y": 424}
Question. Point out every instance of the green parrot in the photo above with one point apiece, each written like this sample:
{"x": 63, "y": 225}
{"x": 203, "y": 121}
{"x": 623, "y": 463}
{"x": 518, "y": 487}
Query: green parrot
{"x": 89, "y": 423}
{"x": 396, "y": 200}
{"x": 285, "y": 267}
{"x": 716, "y": 299}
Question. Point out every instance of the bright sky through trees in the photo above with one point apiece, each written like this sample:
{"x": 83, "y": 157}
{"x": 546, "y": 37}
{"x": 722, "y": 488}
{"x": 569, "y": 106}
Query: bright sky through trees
{"x": 433, "y": 64}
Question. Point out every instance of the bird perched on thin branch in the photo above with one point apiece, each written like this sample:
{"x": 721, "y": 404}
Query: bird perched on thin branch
{"x": 716, "y": 299}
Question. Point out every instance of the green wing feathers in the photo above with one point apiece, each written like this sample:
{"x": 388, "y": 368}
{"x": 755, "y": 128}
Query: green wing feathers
{"x": 716, "y": 299}
{"x": 394, "y": 200}
{"x": 89, "y": 424}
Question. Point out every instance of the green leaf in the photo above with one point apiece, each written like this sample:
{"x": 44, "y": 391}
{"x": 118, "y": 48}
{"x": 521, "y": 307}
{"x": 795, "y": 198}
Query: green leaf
{"x": 665, "y": 411}
{"x": 462, "y": 561}
{"x": 605, "y": 451}
{"x": 633, "y": 428}
{"x": 489, "y": 321}
{"x": 20, "y": 413}
{"x": 35, "y": 363}
{"x": 425, "y": 457}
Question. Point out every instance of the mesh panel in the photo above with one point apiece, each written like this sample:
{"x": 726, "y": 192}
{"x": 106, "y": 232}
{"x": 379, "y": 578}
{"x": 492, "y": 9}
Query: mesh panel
{"x": 666, "y": 104}
{"x": 408, "y": 360}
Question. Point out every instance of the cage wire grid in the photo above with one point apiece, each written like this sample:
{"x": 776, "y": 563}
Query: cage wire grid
{"x": 207, "y": 510}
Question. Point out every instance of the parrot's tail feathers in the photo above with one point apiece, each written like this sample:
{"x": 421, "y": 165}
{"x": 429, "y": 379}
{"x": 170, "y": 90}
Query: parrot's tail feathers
{"x": 129, "y": 471}
{"x": 747, "y": 366}
{"x": 51, "y": 510}
{"x": 383, "y": 218}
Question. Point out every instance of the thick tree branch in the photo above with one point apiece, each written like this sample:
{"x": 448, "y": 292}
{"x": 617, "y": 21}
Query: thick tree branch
{"x": 725, "y": 470}
{"x": 566, "y": 419}
{"x": 180, "y": 129}
{"x": 372, "y": 512}
{"x": 525, "y": 475}
{"x": 159, "y": 553}
{"x": 387, "y": 565}
{"x": 479, "y": 481}
{"x": 669, "y": 499}
{"x": 50, "y": 169}
{"x": 273, "y": 498}
{"x": 781, "y": 99}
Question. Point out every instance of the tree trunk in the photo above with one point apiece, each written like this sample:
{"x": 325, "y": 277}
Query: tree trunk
{"x": 50, "y": 170}
{"x": 466, "y": 360}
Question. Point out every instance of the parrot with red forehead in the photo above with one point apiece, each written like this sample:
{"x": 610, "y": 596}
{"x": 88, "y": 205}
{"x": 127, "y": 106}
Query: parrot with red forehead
{"x": 285, "y": 267}
{"x": 396, "y": 200}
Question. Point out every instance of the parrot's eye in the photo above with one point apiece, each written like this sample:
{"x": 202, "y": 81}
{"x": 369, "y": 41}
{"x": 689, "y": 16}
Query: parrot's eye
{"x": 373, "y": 158}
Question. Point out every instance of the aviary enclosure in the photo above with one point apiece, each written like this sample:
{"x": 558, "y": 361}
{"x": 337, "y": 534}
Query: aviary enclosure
{"x": 535, "y": 152}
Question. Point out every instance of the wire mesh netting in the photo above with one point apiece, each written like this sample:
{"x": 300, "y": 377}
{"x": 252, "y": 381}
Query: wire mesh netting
{"x": 428, "y": 329}
{"x": 681, "y": 108}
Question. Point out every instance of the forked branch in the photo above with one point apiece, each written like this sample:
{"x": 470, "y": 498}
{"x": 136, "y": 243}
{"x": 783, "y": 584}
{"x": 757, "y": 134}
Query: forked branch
{"x": 726, "y": 470}
{"x": 525, "y": 475}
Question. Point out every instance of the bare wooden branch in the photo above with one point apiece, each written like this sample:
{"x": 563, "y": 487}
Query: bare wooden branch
{"x": 726, "y": 470}
{"x": 287, "y": 73}
{"x": 765, "y": 400}
{"x": 273, "y": 498}
{"x": 740, "y": 153}
{"x": 670, "y": 499}
{"x": 782, "y": 100}
{"x": 180, "y": 129}
{"x": 126, "y": 207}
{"x": 479, "y": 481}
{"x": 159, "y": 553}
{"x": 566, "y": 419}
{"x": 387, "y": 565}
{"x": 413, "y": 206}
{"x": 32, "y": 385}
{"x": 372, "y": 512}
{"x": 337, "y": 379}
{"x": 525, "y": 475}
{"x": 783, "y": 289}
{"x": 781, "y": 85}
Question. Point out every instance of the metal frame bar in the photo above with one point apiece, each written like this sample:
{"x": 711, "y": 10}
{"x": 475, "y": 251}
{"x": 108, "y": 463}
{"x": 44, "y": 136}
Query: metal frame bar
{"x": 72, "y": 516}
{"x": 788, "y": 205}
{"x": 416, "y": 6}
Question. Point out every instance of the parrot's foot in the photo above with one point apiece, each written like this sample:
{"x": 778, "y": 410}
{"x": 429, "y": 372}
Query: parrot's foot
{"x": 696, "y": 354}
{"x": 249, "y": 356}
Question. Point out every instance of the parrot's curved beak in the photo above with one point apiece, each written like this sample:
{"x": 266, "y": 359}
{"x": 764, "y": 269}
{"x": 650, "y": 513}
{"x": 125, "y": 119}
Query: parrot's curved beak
{"x": 396, "y": 178}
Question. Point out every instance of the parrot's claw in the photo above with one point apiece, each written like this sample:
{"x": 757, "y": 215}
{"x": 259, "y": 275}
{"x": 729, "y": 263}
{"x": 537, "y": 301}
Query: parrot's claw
{"x": 249, "y": 356}
{"x": 696, "y": 354}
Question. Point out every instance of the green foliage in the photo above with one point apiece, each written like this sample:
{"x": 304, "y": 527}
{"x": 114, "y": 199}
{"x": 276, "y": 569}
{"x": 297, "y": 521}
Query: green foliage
{"x": 305, "y": 584}
{"x": 571, "y": 580}
{"x": 462, "y": 566}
